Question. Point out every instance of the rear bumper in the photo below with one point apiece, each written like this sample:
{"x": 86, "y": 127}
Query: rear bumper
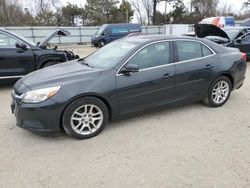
{"x": 239, "y": 83}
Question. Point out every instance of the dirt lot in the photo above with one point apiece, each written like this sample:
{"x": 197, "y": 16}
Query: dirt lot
{"x": 188, "y": 146}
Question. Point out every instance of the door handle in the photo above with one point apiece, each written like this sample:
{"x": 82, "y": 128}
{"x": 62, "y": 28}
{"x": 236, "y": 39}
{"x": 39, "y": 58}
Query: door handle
{"x": 165, "y": 76}
{"x": 209, "y": 66}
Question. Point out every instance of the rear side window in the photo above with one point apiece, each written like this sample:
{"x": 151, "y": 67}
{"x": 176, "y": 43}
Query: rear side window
{"x": 188, "y": 50}
{"x": 206, "y": 51}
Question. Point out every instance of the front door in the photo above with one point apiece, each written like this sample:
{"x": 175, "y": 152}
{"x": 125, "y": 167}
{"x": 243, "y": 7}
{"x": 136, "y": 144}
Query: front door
{"x": 14, "y": 62}
{"x": 153, "y": 85}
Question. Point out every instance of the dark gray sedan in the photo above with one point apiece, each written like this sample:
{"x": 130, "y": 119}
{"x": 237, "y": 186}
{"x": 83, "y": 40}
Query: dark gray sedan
{"x": 127, "y": 76}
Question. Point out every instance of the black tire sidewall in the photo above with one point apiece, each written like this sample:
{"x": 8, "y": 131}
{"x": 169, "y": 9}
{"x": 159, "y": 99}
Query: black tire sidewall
{"x": 100, "y": 43}
{"x": 76, "y": 104}
{"x": 209, "y": 97}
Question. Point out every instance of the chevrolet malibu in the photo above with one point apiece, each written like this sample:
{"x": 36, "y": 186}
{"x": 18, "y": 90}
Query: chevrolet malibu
{"x": 127, "y": 76}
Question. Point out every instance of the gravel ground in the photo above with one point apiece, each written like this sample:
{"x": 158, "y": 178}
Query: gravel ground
{"x": 187, "y": 146}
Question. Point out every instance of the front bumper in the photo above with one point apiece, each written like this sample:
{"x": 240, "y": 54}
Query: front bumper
{"x": 43, "y": 118}
{"x": 94, "y": 42}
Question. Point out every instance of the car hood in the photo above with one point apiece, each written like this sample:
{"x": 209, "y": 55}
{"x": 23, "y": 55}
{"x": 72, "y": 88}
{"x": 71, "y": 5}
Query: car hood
{"x": 57, "y": 32}
{"x": 60, "y": 74}
{"x": 204, "y": 30}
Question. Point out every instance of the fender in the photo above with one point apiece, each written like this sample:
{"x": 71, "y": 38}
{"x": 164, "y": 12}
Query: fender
{"x": 44, "y": 59}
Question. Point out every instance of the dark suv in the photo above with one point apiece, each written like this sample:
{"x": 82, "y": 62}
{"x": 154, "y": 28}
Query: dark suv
{"x": 18, "y": 56}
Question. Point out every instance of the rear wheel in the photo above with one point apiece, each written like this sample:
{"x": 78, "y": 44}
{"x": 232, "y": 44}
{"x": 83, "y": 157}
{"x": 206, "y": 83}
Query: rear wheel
{"x": 219, "y": 92}
{"x": 85, "y": 118}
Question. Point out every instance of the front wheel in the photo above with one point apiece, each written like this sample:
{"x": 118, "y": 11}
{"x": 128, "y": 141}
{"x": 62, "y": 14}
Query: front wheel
{"x": 101, "y": 43}
{"x": 219, "y": 92}
{"x": 85, "y": 118}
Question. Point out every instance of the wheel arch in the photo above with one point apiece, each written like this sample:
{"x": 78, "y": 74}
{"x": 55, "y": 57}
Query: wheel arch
{"x": 105, "y": 101}
{"x": 41, "y": 65}
{"x": 230, "y": 77}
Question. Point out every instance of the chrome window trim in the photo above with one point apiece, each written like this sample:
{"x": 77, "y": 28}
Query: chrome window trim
{"x": 10, "y": 77}
{"x": 178, "y": 62}
{"x": 15, "y": 39}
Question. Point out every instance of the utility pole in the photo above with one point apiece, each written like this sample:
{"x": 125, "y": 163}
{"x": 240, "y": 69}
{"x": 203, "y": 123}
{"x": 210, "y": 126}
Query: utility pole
{"x": 127, "y": 15}
{"x": 191, "y": 6}
{"x": 166, "y": 7}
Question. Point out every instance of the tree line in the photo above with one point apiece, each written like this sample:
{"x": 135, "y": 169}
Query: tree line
{"x": 98, "y": 12}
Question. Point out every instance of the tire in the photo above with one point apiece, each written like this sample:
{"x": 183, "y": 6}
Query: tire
{"x": 50, "y": 63}
{"x": 78, "y": 119}
{"x": 219, "y": 92}
{"x": 101, "y": 43}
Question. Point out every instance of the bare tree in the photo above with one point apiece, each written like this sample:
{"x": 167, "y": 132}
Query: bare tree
{"x": 205, "y": 8}
{"x": 45, "y": 15}
{"x": 225, "y": 9}
{"x": 138, "y": 10}
{"x": 148, "y": 6}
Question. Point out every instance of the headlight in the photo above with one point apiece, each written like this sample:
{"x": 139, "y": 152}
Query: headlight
{"x": 39, "y": 95}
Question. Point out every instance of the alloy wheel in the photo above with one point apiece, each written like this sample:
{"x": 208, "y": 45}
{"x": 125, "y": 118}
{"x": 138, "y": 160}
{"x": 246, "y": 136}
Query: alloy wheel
{"x": 220, "y": 92}
{"x": 87, "y": 119}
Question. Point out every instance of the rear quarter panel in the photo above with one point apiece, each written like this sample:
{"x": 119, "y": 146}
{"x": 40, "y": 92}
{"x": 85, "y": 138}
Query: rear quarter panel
{"x": 231, "y": 63}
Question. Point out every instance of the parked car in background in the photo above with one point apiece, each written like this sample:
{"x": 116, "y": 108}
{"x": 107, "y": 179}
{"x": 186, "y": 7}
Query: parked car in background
{"x": 110, "y": 32}
{"x": 129, "y": 75}
{"x": 19, "y": 56}
{"x": 237, "y": 37}
{"x": 245, "y": 22}
{"x": 220, "y": 22}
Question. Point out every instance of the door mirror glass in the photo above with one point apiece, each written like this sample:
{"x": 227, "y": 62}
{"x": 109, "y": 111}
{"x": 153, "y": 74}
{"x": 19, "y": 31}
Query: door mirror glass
{"x": 129, "y": 68}
{"x": 21, "y": 45}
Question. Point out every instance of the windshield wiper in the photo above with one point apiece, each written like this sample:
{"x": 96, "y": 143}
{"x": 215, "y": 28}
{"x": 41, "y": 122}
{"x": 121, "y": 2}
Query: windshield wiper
{"x": 83, "y": 62}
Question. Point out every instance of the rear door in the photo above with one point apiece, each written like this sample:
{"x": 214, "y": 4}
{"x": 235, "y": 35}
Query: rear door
{"x": 153, "y": 85}
{"x": 14, "y": 62}
{"x": 194, "y": 69}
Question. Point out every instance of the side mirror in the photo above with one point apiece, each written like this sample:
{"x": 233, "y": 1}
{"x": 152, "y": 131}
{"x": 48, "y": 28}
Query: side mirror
{"x": 239, "y": 40}
{"x": 21, "y": 45}
{"x": 129, "y": 68}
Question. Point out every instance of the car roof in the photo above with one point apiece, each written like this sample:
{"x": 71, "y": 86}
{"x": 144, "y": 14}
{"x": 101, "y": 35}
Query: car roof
{"x": 158, "y": 37}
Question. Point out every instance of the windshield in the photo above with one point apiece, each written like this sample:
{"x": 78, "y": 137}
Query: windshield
{"x": 231, "y": 33}
{"x": 100, "y": 30}
{"x": 109, "y": 55}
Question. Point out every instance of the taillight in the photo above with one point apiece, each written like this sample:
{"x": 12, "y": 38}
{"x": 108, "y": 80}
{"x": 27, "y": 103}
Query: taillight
{"x": 244, "y": 56}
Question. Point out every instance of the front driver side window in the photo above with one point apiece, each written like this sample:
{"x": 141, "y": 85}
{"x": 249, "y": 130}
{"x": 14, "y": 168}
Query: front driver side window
{"x": 7, "y": 41}
{"x": 152, "y": 56}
